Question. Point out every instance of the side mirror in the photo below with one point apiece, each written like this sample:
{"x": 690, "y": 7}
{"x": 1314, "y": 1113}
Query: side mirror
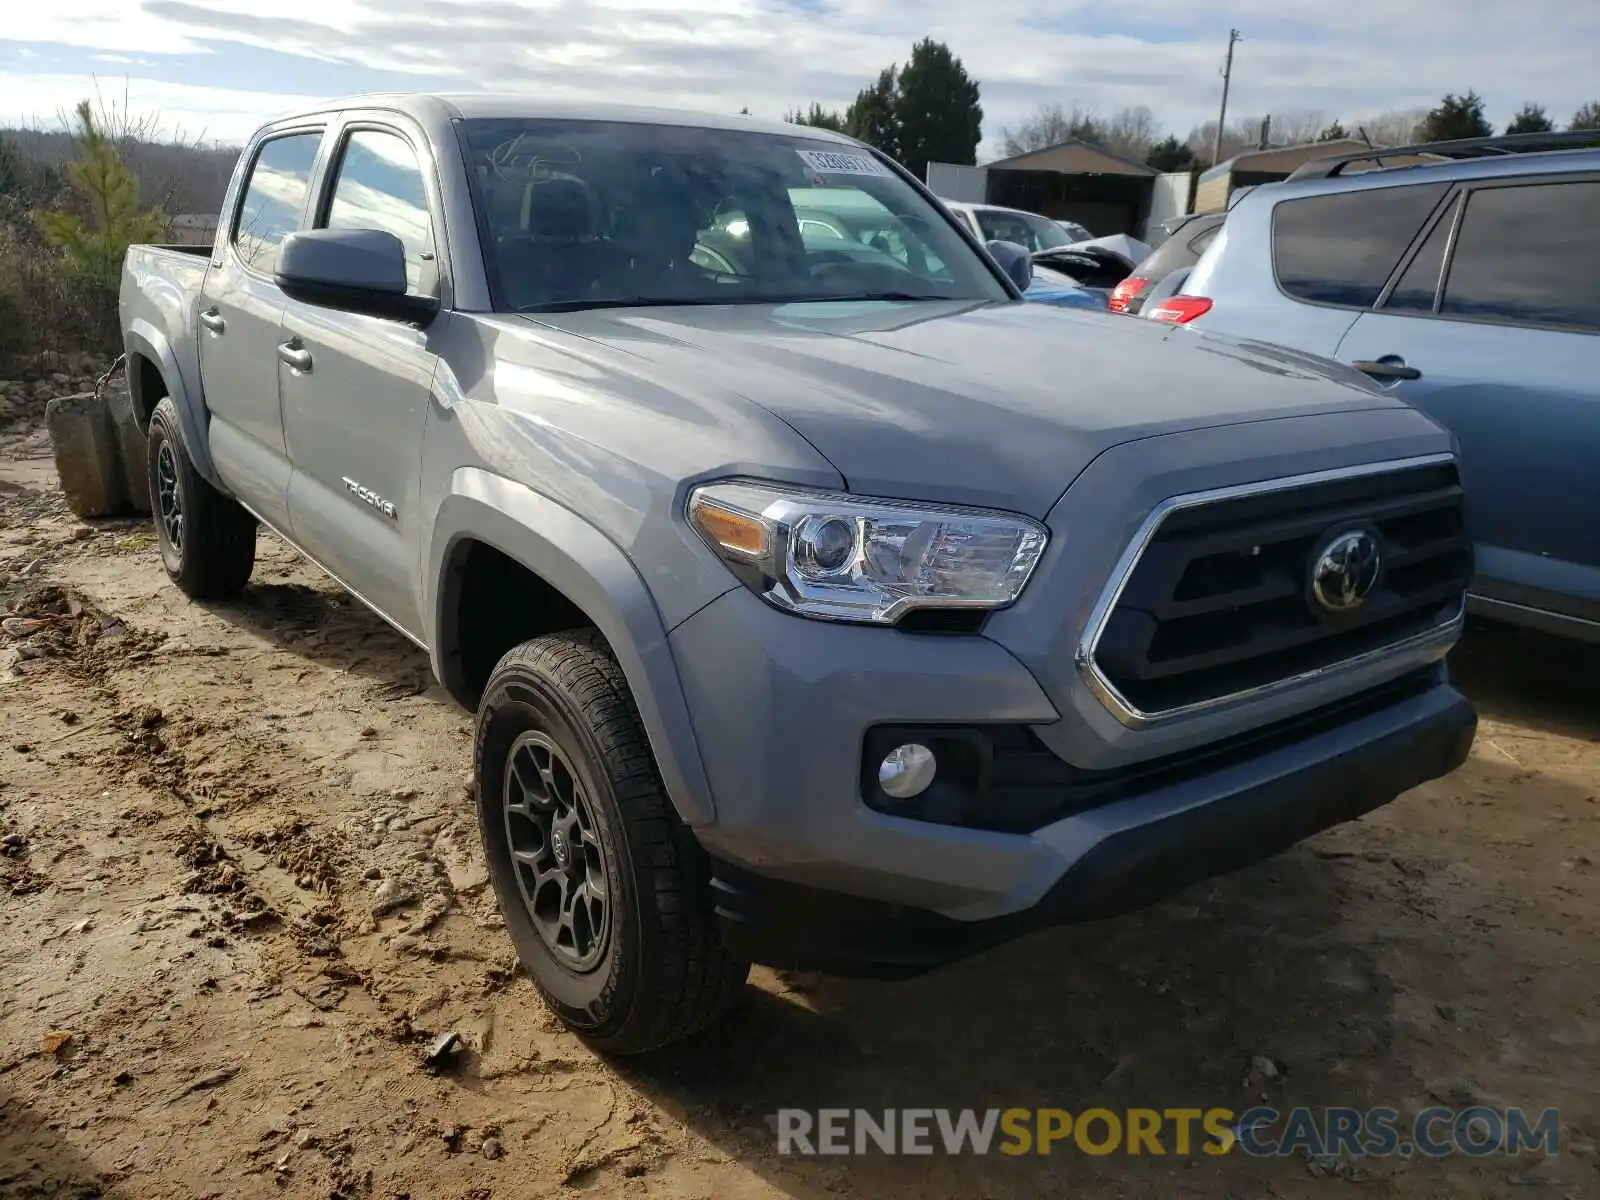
{"x": 353, "y": 270}
{"x": 1014, "y": 260}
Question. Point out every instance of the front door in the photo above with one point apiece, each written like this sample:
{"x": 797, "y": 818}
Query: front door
{"x": 240, "y": 311}
{"x": 355, "y": 390}
{"x": 1506, "y": 354}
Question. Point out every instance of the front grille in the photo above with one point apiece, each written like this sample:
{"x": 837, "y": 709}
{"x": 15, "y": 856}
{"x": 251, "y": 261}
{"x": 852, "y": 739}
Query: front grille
{"x": 1220, "y": 601}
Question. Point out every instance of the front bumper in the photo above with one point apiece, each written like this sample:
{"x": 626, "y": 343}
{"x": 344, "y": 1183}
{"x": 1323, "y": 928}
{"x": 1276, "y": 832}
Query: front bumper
{"x": 1123, "y": 855}
{"x": 782, "y": 707}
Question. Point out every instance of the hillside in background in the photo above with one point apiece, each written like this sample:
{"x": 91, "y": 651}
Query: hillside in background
{"x": 175, "y": 177}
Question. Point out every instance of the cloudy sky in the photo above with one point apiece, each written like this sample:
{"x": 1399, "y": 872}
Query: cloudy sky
{"x": 217, "y": 67}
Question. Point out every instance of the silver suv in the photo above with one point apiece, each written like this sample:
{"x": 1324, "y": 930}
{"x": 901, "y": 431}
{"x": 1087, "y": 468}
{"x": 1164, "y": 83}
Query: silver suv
{"x": 1467, "y": 283}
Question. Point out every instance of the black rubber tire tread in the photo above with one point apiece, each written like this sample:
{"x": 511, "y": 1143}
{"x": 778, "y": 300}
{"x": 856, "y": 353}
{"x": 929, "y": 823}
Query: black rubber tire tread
{"x": 685, "y": 979}
{"x": 219, "y": 536}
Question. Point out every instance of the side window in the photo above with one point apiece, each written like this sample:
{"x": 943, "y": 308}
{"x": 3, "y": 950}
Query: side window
{"x": 1526, "y": 254}
{"x": 274, "y": 197}
{"x": 1003, "y": 227}
{"x": 380, "y": 186}
{"x": 1339, "y": 249}
{"x": 1417, "y": 288}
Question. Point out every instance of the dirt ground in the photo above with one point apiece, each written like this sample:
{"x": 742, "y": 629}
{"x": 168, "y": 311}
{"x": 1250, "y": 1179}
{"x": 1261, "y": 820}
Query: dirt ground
{"x": 240, "y": 869}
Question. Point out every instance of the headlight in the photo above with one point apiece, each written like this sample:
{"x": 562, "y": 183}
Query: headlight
{"x": 839, "y": 558}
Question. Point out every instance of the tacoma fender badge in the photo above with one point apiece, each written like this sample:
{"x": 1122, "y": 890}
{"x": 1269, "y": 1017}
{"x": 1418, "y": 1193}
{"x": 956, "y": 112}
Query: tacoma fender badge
{"x": 369, "y": 497}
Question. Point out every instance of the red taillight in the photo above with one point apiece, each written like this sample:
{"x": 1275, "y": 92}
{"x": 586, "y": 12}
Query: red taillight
{"x": 1124, "y": 292}
{"x": 1180, "y": 310}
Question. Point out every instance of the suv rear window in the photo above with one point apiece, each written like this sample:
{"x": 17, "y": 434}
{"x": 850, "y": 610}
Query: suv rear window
{"x": 1340, "y": 249}
{"x": 1527, "y": 254}
{"x": 1182, "y": 249}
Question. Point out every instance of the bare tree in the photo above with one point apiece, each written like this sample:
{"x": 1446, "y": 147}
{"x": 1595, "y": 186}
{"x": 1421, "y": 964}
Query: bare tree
{"x": 1396, "y": 128}
{"x": 1297, "y": 128}
{"x": 1050, "y": 125}
{"x": 1130, "y": 132}
{"x": 1242, "y": 133}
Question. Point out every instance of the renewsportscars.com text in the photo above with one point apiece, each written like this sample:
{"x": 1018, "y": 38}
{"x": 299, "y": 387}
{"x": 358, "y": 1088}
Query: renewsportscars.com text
{"x": 1259, "y": 1132}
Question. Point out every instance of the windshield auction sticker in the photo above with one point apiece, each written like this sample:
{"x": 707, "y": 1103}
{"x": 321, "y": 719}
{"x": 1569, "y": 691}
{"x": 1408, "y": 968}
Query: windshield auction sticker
{"x": 831, "y": 162}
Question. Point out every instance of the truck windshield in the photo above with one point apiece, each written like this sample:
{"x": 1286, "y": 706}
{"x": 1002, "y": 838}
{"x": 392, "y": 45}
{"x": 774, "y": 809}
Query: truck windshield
{"x": 581, "y": 214}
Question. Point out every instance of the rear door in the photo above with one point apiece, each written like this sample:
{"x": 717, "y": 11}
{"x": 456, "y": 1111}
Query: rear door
{"x": 240, "y": 309}
{"x": 1497, "y": 315}
{"x": 355, "y": 406}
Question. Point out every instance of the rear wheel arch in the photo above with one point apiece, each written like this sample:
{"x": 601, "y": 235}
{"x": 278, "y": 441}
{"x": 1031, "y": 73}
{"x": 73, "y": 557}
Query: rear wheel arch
{"x": 154, "y": 374}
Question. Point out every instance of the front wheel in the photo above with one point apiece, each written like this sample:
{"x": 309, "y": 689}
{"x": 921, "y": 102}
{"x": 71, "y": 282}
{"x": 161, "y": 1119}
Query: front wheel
{"x": 606, "y": 893}
{"x": 207, "y": 541}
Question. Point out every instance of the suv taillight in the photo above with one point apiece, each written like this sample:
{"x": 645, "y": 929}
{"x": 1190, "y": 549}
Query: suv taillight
{"x": 1180, "y": 310}
{"x": 1124, "y": 292}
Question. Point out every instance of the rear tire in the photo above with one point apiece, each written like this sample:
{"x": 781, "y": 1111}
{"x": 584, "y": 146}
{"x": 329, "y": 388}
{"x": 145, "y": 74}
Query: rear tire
{"x": 207, "y": 540}
{"x": 605, "y": 892}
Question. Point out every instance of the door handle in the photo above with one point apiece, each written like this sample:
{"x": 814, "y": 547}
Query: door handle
{"x": 1388, "y": 370}
{"x": 296, "y": 355}
{"x": 213, "y": 321}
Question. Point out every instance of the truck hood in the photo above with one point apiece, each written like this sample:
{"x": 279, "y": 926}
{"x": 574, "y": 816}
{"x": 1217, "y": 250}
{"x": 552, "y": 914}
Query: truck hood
{"x": 992, "y": 404}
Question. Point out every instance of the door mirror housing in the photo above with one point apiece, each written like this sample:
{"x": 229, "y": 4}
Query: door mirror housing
{"x": 353, "y": 270}
{"x": 1014, "y": 260}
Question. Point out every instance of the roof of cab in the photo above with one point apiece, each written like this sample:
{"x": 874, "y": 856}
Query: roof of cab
{"x": 490, "y": 105}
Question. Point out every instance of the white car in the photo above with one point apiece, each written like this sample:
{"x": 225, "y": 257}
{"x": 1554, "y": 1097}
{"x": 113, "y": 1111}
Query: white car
{"x": 991, "y": 223}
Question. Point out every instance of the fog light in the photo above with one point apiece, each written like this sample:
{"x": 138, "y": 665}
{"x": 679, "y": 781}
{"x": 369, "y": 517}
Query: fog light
{"x": 907, "y": 771}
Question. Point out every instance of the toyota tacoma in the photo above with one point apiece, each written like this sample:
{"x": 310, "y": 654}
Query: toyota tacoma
{"x": 818, "y": 608}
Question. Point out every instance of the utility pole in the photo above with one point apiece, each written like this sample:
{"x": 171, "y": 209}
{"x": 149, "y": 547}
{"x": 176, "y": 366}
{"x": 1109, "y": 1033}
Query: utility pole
{"x": 1222, "y": 117}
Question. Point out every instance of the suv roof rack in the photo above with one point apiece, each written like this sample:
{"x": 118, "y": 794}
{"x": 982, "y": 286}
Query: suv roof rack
{"x": 1484, "y": 147}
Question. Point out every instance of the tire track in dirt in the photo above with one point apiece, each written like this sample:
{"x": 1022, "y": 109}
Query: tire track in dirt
{"x": 371, "y": 908}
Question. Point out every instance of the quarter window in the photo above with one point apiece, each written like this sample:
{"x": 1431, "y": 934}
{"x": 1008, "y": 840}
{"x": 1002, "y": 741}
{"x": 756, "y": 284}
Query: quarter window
{"x": 380, "y": 186}
{"x": 1527, "y": 254}
{"x": 274, "y": 197}
{"x": 1340, "y": 248}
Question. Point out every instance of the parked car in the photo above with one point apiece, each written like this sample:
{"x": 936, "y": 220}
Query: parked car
{"x": 992, "y": 223}
{"x": 819, "y": 611}
{"x": 1187, "y": 239}
{"x": 1467, "y": 287}
{"x": 1125, "y": 245}
{"x": 1078, "y": 233}
{"x": 1052, "y": 287}
{"x": 848, "y": 222}
{"x": 1094, "y": 267}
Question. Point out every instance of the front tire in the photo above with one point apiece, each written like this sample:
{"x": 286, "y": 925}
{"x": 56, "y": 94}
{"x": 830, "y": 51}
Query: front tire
{"x": 207, "y": 540}
{"x": 605, "y": 892}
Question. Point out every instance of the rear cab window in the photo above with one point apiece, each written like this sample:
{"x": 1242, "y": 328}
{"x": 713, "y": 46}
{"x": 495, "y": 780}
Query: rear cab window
{"x": 1340, "y": 249}
{"x": 1527, "y": 254}
{"x": 274, "y": 199}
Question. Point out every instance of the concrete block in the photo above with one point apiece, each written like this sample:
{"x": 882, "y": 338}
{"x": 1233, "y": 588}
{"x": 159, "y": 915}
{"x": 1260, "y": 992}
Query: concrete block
{"x": 87, "y": 458}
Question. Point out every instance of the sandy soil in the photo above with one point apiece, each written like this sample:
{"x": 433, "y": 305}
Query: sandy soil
{"x": 240, "y": 870}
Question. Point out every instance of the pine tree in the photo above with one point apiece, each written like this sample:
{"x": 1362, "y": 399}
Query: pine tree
{"x": 94, "y": 247}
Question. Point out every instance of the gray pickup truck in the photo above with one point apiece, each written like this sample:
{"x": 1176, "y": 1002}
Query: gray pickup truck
{"x": 818, "y": 609}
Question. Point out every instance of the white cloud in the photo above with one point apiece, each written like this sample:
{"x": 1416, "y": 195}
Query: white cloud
{"x": 1348, "y": 59}
{"x": 212, "y": 114}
